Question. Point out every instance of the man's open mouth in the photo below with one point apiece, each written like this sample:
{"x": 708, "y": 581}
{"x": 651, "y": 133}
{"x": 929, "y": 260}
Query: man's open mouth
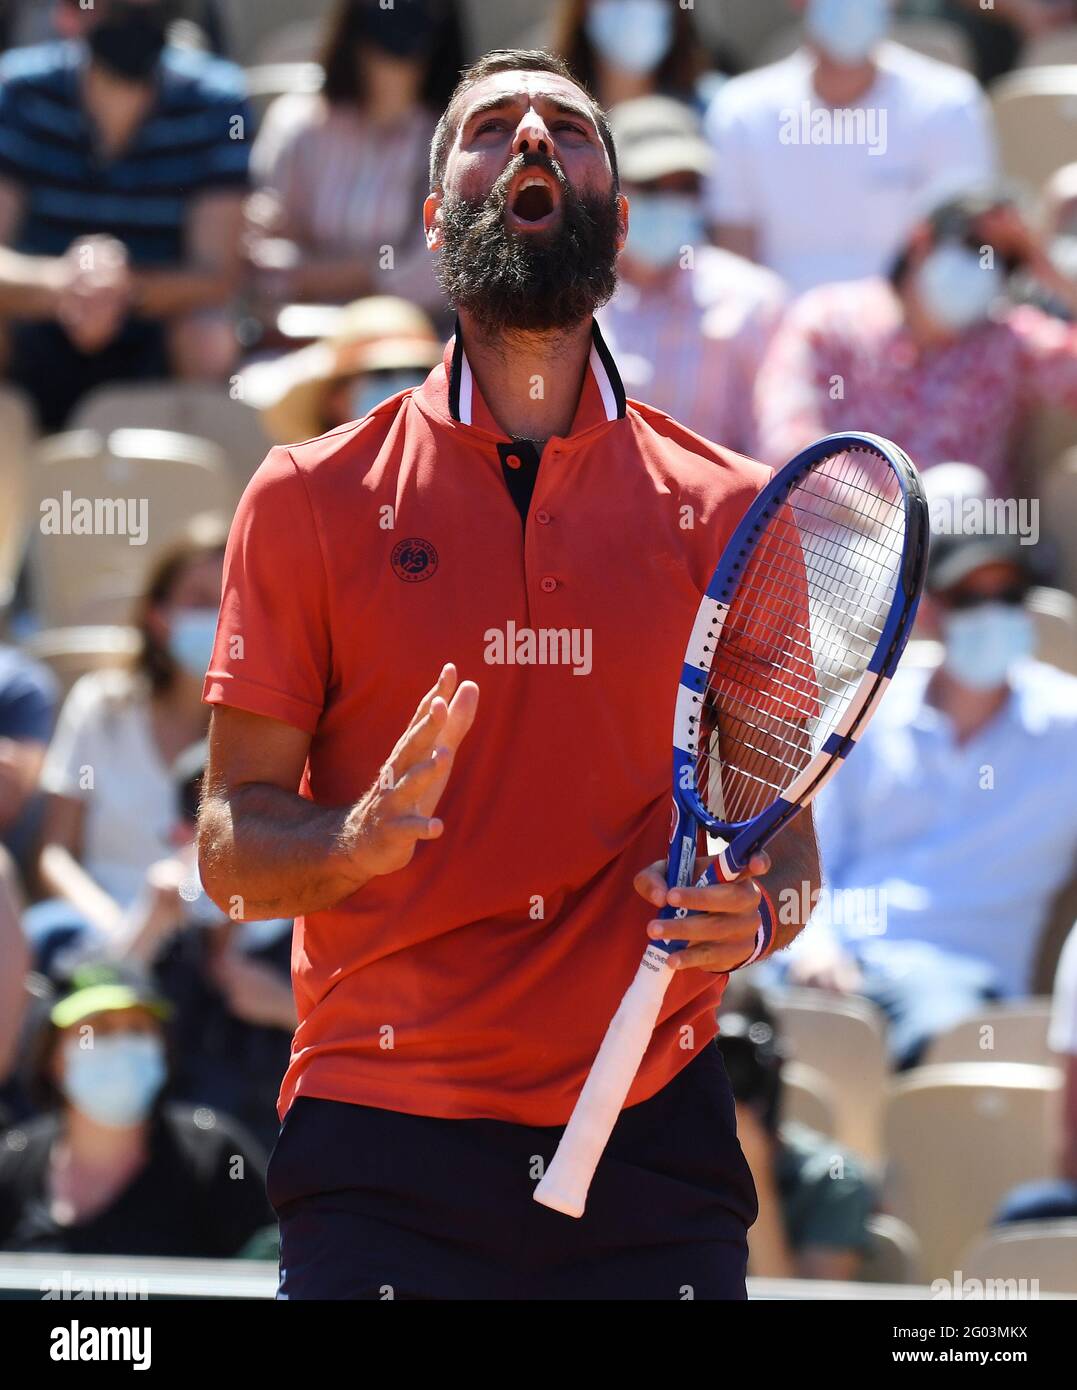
{"x": 533, "y": 199}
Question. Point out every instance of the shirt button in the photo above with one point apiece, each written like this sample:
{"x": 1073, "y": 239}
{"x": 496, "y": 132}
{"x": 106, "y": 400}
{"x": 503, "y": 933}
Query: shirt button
{"x": 548, "y": 585}
{"x": 543, "y": 518}
{"x": 512, "y": 460}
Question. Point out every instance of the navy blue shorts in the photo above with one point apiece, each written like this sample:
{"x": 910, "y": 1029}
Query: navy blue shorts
{"x": 375, "y": 1204}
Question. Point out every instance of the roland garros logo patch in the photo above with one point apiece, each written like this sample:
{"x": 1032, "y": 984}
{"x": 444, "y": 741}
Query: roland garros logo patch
{"x": 414, "y": 560}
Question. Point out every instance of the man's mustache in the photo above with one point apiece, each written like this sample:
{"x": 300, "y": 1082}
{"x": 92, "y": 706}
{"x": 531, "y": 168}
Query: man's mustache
{"x": 498, "y": 196}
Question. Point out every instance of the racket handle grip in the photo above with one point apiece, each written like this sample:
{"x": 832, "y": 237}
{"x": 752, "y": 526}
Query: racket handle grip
{"x": 565, "y": 1184}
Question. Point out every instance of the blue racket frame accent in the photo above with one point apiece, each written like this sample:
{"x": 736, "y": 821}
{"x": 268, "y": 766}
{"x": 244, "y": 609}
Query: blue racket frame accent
{"x": 745, "y": 837}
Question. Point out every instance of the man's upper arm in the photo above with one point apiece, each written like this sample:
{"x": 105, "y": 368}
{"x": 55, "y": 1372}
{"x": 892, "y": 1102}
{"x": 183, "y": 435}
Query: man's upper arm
{"x": 12, "y": 204}
{"x": 214, "y": 228}
{"x": 247, "y": 749}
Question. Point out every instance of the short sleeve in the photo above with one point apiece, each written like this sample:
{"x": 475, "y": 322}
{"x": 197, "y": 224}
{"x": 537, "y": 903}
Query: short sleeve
{"x": 75, "y": 744}
{"x": 226, "y": 158}
{"x": 27, "y": 703}
{"x": 272, "y": 650}
{"x": 1062, "y": 1037}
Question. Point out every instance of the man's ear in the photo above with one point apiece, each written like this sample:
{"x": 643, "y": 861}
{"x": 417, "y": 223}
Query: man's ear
{"x": 622, "y": 221}
{"x": 432, "y": 220}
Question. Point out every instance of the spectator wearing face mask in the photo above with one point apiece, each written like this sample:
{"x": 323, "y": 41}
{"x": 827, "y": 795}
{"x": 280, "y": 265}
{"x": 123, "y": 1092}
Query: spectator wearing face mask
{"x": 824, "y": 157}
{"x": 109, "y": 1168}
{"x": 689, "y": 323}
{"x": 108, "y": 840}
{"x": 123, "y": 167}
{"x": 625, "y": 49}
{"x": 954, "y": 826}
{"x": 936, "y": 357}
{"x": 339, "y": 173}
{"x": 372, "y": 350}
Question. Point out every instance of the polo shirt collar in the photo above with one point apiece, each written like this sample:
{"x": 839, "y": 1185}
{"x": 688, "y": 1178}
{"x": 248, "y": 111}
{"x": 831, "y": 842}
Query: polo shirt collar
{"x": 452, "y": 389}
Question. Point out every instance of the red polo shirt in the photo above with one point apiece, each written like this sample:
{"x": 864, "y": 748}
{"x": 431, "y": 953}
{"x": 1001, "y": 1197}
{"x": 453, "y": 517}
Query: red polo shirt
{"x": 479, "y": 980}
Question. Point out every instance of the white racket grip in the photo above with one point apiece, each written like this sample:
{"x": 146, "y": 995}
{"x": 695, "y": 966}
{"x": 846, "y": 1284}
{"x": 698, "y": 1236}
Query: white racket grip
{"x": 565, "y": 1183}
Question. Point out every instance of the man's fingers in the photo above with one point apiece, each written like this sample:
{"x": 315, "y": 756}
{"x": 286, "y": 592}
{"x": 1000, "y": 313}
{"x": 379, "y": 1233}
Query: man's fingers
{"x": 650, "y": 884}
{"x": 461, "y": 716}
{"x": 716, "y": 956}
{"x": 704, "y": 928}
{"x": 419, "y": 739}
{"x": 740, "y": 896}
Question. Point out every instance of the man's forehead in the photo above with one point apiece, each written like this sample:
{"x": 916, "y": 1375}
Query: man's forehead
{"x": 523, "y": 88}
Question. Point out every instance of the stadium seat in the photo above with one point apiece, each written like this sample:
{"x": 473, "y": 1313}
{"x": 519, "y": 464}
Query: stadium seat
{"x": 1051, "y": 50}
{"x": 70, "y": 652}
{"x": 958, "y": 1138}
{"x": 268, "y": 81}
{"x": 249, "y": 27}
{"x": 894, "y": 1254}
{"x": 1036, "y": 122}
{"x": 16, "y": 440}
{"x": 94, "y": 578}
{"x": 297, "y": 43}
{"x": 934, "y": 38}
{"x": 1045, "y": 1251}
{"x": 844, "y": 1039}
{"x": 1010, "y": 1032}
{"x": 188, "y": 408}
{"x": 808, "y": 1097}
{"x": 1059, "y": 509}
{"x": 1055, "y": 615}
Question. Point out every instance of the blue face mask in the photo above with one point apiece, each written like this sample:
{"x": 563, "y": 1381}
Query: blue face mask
{"x": 370, "y": 391}
{"x": 117, "y": 1079}
{"x": 191, "y": 639}
{"x": 631, "y": 34}
{"x": 661, "y": 225}
{"x": 955, "y": 288}
{"x": 847, "y": 30}
{"x": 984, "y": 642}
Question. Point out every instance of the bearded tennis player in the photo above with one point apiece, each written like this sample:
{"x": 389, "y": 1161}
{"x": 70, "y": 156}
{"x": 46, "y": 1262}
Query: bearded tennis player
{"x": 473, "y": 882}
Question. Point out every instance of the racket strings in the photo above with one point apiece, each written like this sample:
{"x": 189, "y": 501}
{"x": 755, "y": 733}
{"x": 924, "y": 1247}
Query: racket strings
{"x": 802, "y": 627}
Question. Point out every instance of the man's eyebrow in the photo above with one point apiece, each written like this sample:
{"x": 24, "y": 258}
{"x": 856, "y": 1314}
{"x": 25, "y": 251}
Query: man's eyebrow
{"x": 566, "y": 108}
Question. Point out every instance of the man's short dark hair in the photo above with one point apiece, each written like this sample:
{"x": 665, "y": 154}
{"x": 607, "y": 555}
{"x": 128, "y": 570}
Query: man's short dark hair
{"x": 509, "y": 60}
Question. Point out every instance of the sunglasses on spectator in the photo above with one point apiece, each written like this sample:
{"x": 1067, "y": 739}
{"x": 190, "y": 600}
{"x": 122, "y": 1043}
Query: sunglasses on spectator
{"x": 960, "y": 599}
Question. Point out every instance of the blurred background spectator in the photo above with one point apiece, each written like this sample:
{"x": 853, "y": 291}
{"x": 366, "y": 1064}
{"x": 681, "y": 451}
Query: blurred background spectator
{"x": 27, "y": 711}
{"x": 689, "y": 323}
{"x": 1001, "y": 31}
{"x": 107, "y": 1168}
{"x": 940, "y": 864}
{"x": 342, "y": 174}
{"x": 819, "y": 196}
{"x": 934, "y": 356}
{"x": 815, "y": 1198}
{"x": 123, "y": 164}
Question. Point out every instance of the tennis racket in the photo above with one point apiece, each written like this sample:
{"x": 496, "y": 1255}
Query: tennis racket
{"x": 792, "y": 648}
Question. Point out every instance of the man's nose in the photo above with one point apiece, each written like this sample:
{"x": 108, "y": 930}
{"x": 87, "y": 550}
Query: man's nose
{"x": 532, "y": 136}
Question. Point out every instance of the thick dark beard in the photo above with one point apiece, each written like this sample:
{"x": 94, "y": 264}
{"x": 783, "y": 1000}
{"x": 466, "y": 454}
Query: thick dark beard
{"x": 529, "y": 282}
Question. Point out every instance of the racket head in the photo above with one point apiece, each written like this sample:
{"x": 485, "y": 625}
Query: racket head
{"x": 798, "y": 635}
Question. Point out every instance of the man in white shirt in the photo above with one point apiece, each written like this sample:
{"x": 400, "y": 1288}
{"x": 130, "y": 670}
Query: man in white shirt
{"x": 954, "y": 823}
{"x": 826, "y": 159}
{"x": 689, "y": 323}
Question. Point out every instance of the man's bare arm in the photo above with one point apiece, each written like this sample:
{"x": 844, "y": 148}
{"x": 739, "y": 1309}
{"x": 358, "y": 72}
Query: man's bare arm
{"x": 739, "y": 238}
{"x": 211, "y": 272}
{"x": 29, "y": 285}
{"x": 264, "y": 851}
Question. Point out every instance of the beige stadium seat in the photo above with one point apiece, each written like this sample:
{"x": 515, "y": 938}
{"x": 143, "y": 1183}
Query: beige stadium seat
{"x": 1010, "y": 1032}
{"x": 894, "y": 1254}
{"x": 250, "y": 26}
{"x": 188, "y": 408}
{"x": 808, "y": 1098}
{"x": 134, "y": 490}
{"x": 270, "y": 80}
{"x": 934, "y": 38}
{"x": 1041, "y": 1251}
{"x": 1051, "y": 50}
{"x": 1036, "y": 122}
{"x": 1058, "y": 509}
{"x": 16, "y": 442}
{"x": 1055, "y": 615}
{"x": 958, "y": 1138}
{"x": 71, "y": 652}
{"x": 843, "y": 1038}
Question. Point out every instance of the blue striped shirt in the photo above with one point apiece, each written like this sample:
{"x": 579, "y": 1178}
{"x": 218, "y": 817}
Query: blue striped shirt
{"x": 190, "y": 143}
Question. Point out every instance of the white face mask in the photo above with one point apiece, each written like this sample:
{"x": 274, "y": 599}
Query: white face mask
{"x": 661, "y": 225}
{"x": 984, "y": 642}
{"x": 848, "y": 31}
{"x": 117, "y": 1079}
{"x": 954, "y": 288}
{"x": 631, "y": 34}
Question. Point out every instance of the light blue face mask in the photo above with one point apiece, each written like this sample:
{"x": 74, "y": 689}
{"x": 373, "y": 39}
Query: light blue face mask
{"x": 370, "y": 391}
{"x": 661, "y": 225}
{"x": 631, "y": 34}
{"x": 847, "y": 30}
{"x": 983, "y": 643}
{"x": 955, "y": 288}
{"x": 191, "y": 638}
{"x": 117, "y": 1079}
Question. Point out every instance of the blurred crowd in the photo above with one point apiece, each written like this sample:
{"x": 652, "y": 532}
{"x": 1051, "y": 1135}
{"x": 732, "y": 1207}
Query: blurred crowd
{"x": 210, "y": 241}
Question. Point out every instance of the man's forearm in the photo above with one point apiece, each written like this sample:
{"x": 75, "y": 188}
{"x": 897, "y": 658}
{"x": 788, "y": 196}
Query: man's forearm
{"x": 29, "y": 285}
{"x": 162, "y": 294}
{"x": 264, "y": 852}
{"x": 794, "y": 879}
